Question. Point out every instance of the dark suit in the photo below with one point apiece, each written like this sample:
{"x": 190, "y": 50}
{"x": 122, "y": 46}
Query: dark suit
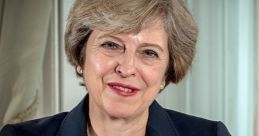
{"x": 161, "y": 122}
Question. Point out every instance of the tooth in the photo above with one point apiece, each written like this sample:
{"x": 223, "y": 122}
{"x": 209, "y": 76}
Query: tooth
{"x": 127, "y": 90}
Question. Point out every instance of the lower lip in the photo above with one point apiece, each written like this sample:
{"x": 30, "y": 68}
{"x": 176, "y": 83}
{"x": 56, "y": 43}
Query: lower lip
{"x": 122, "y": 93}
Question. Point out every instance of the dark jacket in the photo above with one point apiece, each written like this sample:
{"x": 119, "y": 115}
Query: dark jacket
{"x": 161, "y": 122}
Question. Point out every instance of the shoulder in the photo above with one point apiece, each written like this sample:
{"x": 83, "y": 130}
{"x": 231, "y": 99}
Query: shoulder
{"x": 167, "y": 122}
{"x": 43, "y": 126}
{"x": 192, "y": 125}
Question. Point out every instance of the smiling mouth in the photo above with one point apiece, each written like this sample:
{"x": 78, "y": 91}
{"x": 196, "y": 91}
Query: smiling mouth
{"x": 122, "y": 89}
{"x": 126, "y": 90}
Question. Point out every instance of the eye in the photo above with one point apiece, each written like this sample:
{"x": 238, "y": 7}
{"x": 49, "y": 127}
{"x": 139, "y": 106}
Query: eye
{"x": 150, "y": 53}
{"x": 111, "y": 45}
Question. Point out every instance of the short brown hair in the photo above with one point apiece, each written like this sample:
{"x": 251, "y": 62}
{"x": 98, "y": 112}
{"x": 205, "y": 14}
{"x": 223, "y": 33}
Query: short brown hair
{"x": 131, "y": 16}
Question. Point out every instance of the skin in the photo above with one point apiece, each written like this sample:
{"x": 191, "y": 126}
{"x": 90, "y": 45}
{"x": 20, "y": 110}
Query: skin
{"x": 136, "y": 60}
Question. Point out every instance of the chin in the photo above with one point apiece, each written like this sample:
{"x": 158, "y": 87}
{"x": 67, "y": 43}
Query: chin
{"x": 119, "y": 111}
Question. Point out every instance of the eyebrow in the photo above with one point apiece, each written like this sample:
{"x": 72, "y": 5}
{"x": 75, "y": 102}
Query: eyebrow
{"x": 142, "y": 44}
{"x": 111, "y": 36}
{"x": 153, "y": 45}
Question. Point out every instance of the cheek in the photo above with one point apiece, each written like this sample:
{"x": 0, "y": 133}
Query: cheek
{"x": 98, "y": 65}
{"x": 153, "y": 77}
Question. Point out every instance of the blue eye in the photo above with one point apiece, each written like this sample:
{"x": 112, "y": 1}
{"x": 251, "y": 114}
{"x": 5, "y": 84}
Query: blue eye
{"x": 111, "y": 45}
{"x": 150, "y": 53}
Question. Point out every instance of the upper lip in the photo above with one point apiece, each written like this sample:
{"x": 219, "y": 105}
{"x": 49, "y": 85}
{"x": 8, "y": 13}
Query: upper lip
{"x": 123, "y": 85}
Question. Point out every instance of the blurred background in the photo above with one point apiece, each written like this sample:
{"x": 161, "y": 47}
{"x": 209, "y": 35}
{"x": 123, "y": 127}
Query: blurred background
{"x": 36, "y": 79}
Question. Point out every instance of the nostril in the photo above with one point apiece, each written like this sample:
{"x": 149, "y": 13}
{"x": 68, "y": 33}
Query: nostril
{"x": 117, "y": 70}
{"x": 125, "y": 70}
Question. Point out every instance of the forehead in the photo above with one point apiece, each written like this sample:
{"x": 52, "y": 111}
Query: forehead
{"x": 154, "y": 33}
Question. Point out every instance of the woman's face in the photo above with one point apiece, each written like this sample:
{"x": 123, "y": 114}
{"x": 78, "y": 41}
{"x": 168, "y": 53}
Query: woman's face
{"x": 123, "y": 72}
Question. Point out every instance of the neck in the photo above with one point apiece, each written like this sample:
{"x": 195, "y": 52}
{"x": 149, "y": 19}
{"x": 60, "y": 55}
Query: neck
{"x": 105, "y": 125}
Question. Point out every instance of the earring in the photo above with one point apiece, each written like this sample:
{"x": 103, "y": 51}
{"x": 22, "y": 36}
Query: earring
{"x": 79, "y": 70}
{"x": 162, "y": 86}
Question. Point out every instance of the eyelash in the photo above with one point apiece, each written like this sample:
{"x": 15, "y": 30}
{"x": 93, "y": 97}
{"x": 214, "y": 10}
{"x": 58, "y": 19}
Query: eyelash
{"x": 111, "y": 45}
{"x": 114, "y": 46}
{"x": 150, "y": 53}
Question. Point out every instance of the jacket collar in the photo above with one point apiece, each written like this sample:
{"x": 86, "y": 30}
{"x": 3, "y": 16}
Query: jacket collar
{"x": 74, "y": 123}
{"x": 159, "y": 122}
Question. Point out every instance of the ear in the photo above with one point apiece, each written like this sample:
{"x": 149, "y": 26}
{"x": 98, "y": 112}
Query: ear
{"x": 79, "y": 70}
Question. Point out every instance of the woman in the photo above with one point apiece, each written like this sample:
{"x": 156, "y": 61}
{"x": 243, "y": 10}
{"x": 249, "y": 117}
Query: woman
{"x": 126, "y": 52}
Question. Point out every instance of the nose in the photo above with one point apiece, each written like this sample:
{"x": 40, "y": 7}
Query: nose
{"x": 126, "y": 65}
